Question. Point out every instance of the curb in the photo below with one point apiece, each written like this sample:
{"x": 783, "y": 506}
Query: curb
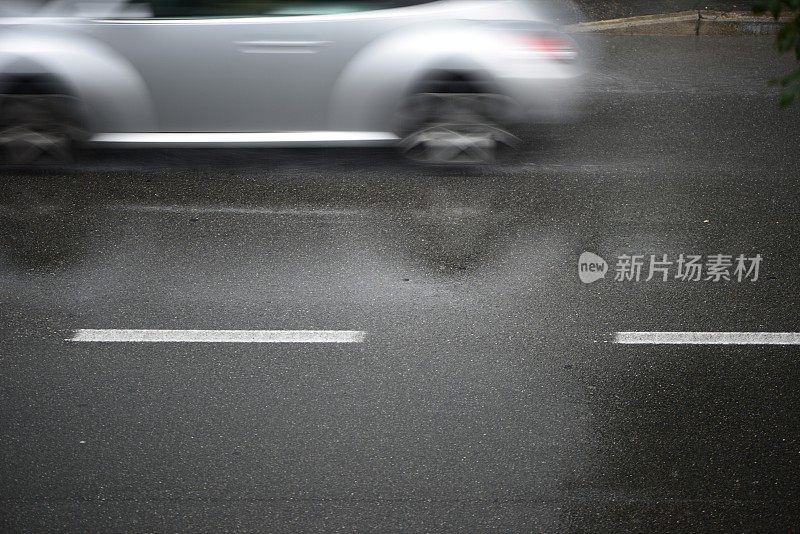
{"x": 685, "y": 23}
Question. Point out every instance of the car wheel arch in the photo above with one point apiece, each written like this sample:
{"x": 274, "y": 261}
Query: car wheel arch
{"x": 377, "y": 79}
{"x": 110, "y": 93}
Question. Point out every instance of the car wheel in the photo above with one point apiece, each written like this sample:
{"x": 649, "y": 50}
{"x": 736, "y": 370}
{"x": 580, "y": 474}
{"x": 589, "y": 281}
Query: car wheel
{"x": 36, "y": 129}
{"x": 453, "y": 128}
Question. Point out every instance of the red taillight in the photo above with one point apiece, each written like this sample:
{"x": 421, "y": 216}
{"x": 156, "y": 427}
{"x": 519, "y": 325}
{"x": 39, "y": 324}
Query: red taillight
{"x": 550, "y": 46}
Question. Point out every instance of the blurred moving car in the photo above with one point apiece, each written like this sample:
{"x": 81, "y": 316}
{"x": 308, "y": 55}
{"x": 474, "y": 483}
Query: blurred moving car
{"x": 447, "y": 80}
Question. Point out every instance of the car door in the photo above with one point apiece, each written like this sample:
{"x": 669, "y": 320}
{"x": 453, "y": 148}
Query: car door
{"x": 302, "y": 47}
{"x": 248, "y": 66}
{"x": 197, "y": 60}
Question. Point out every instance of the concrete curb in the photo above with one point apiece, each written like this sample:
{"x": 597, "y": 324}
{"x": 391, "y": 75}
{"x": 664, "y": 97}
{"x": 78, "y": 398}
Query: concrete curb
{"x": 685, "y": 23}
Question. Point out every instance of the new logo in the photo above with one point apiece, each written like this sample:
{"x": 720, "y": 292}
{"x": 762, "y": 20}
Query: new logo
{"x": 591, "y": 267}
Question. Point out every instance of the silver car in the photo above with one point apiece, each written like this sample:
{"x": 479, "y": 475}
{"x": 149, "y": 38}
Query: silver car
{"x": 447, "y": 80}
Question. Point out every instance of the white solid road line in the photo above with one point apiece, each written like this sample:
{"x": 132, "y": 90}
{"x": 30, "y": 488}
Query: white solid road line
{"x": 112, "y": 335}
{"x": 707, "y": 338}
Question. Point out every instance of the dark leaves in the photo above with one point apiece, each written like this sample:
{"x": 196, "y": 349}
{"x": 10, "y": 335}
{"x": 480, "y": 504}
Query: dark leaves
{"x": 788, "y": 39}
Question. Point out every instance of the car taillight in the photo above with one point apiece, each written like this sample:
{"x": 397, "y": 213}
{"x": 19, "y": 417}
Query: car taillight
{"x": 549, "y": 46}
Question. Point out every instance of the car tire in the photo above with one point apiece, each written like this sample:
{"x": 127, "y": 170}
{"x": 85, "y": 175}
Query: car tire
{"x": 454, "y": 128}
{"x": 37, "y": 129}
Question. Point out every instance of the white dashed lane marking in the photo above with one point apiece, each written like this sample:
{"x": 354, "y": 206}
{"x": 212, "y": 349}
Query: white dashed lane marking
{"x": 216, "y": 336}
{"x": 707, "y": 338}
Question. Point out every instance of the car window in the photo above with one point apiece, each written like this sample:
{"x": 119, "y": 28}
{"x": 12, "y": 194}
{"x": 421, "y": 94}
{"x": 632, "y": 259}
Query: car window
{"x": 249, "y": 8}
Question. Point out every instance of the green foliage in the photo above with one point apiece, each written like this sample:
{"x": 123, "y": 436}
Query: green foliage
{"x": 788, "y": 40}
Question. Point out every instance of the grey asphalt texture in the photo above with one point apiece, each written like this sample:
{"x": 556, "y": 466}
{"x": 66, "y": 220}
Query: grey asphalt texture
{"x": 487, "y": 395}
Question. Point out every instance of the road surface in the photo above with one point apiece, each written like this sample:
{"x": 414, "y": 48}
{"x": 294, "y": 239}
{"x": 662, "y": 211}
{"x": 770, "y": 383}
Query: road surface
{"x": 478, "y": 385}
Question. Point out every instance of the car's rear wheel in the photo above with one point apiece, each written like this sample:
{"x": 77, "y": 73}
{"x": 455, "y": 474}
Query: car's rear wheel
{"x": 454, "y": 128}
{"x": 37, "y": 129}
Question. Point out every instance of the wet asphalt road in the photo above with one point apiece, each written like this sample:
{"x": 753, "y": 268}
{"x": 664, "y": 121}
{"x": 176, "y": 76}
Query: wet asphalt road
{"x": 487, "y": 395}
